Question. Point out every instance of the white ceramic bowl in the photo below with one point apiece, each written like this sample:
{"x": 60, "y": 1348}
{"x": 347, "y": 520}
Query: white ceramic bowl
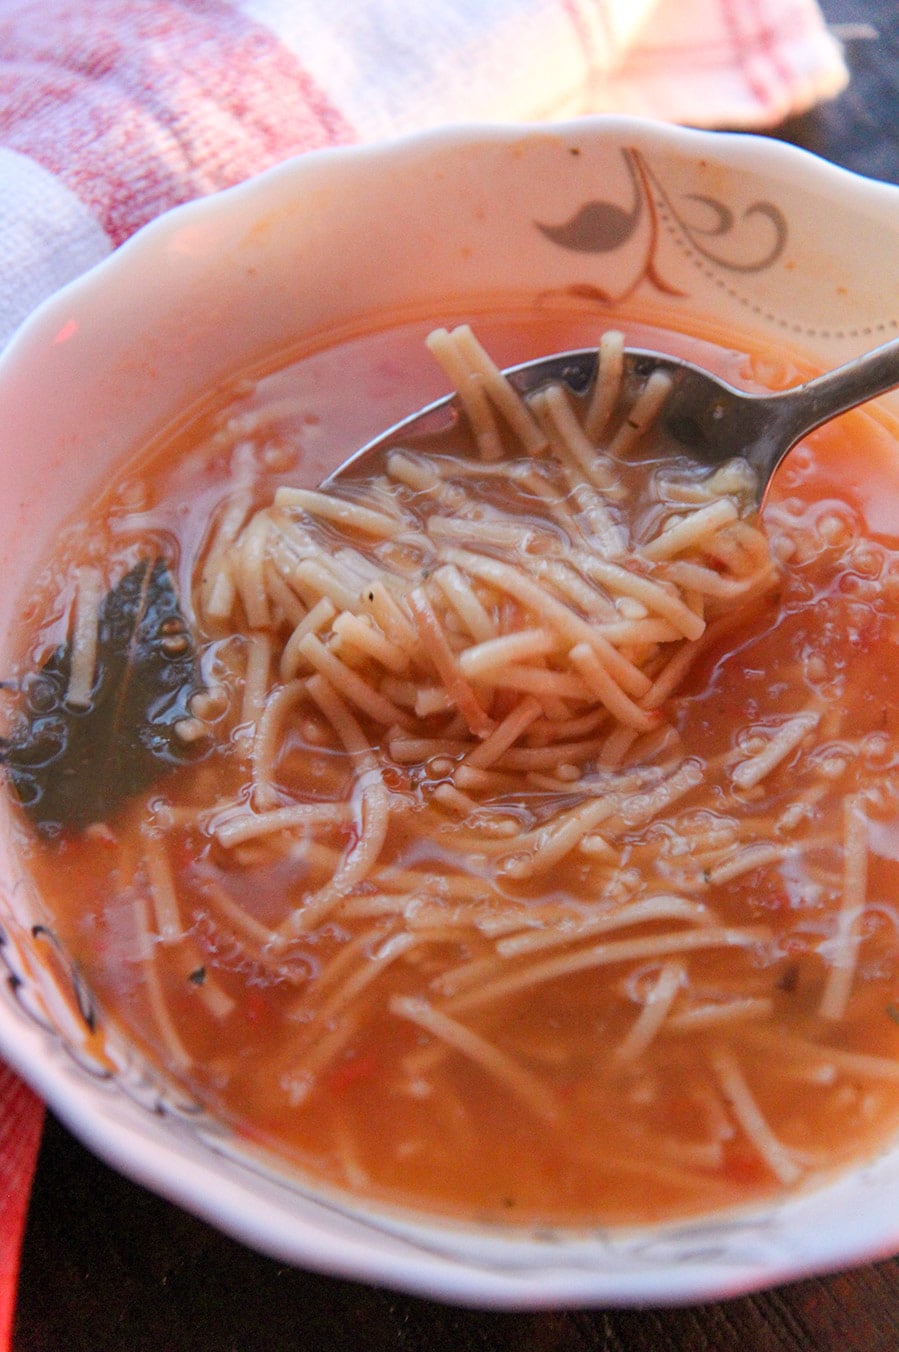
{"x": 734, "y": 233}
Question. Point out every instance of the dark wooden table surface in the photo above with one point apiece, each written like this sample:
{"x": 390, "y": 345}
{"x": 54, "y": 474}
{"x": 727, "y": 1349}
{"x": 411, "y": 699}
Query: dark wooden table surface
{"x": 108, "y": 1267}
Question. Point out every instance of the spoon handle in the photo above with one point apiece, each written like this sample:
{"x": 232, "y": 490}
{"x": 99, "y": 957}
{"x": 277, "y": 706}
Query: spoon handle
{"x": 808, "y": 406}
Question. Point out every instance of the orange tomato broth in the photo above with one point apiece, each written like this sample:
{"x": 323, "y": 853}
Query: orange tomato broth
{"x": 641, "y": 1143}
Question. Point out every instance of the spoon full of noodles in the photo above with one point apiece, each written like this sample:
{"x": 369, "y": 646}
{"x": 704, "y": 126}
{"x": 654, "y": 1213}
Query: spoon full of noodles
{"x": 621, "y": 394}
{"x": 514, "y": 581}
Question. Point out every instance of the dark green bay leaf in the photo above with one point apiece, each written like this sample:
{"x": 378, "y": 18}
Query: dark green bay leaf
{"x": 71, "y": 766}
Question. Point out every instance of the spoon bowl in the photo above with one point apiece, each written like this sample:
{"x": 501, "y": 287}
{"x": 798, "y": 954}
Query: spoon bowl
{"x": 699, "y": 416}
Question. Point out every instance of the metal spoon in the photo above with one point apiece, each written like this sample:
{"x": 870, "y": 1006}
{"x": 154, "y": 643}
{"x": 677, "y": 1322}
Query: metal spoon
{"x": 703, "y": 417}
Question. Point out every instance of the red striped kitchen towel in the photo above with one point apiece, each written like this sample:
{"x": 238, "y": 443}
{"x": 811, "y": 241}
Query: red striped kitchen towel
{"x": 112, "y": 111}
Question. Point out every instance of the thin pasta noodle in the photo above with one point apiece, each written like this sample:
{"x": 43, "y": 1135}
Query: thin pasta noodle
{"x": 790, "y": 1048}
{"x": 269, "y": 731}
{"x": 639, "y": 633}
{"x": 484, "y": 1054}
{"x": 501, "y": 738}
{"x": 216, "y": 583}
{"x": 606, "y": 385}
{"x": 373, "y": 810}
{"x": 600, "y": 955}
{"x": 580, "y": 452}
{"x": 691, "y": 532}
{"x": 461, "y": 596}
{"x": 641, "y": 416}
{"x": 389, "y": 615}
{"x": 388, "y": 951}
{"x": 357, "y": 1177}
{"x": 635, "y": 913}
{"x": 353, "y": 687}
{"x": 708, "y": 582}
{"x": 306, "y": 1068}
{"x": 353, "y": 868}
{"x": 287, "y": 608}
{"x": 750, "y": 772}
{"x": 414, "y": 472}
{"x": 554, "y": 501}
{"x": 407, "y": 693}
{"x": 317, "y": 578}
{"x": 758, "y": 854}
{"x": 618, "y": 744}
{"x": 413, "y": 750}
{"x": 163, "y": 894}
{"x": 700, "y": 1017}
{"x": 448, "y": 796}
{"x": 258, "y": 666}
{"x": 544, "y": 682}
{"x": 601, "y": 800}
{"x": 242, "y": 826}
{"x": 656, "y": 798}
{"x": 566, "y": 730}
{"x": 447, "y": 665}
{"x": 248, "y": 571}
{"x": 654, "y": 1013}
{"x": 322, "y": 613}
{"x": 847, "y": 938}
{"x": 88, "y": 594}
{"x": 358, "y": 634}
{"x": 469, "y": 386}
{"x": 543, "y": 849}
{"x": 655, "y": 596}
{"x": 194, "y": 969}
{"x": 520, "y": 759}
{"x": 672, "y": 674}
{"x": 606, "y": 689}
{"x": 499, "y": 390}
{"x": 497, "y": 652}
{"x": 350, "y": 956}
{"x": 570, "y": 586}
{"x": 485, "y": 781}
{"x": 496, "y": 534}
{"x": 348, "y": 514}
{"x": 260, "y": 936}
{"x": 222, "y": 593}
{"x": 174, "y": 1047}
{"x": 556, "y": 614}
{"x": 747, "y": 1112}
{"x": 644, "y": 1166}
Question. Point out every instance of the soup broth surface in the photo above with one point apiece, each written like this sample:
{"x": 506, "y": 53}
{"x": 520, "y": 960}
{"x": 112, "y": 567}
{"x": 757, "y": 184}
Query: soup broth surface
{"x": 689, "y": 1005}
